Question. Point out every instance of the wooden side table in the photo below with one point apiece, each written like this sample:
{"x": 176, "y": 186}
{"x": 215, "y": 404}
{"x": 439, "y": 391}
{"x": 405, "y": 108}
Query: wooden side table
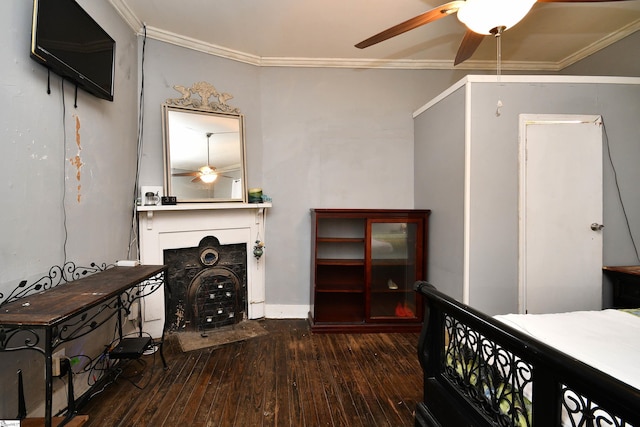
{"x": 626, "y": 285}
{"x": 44, "y": 320}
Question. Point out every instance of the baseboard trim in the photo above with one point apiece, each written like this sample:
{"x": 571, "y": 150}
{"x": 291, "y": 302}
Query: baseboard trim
{"x": 286, "y": 311}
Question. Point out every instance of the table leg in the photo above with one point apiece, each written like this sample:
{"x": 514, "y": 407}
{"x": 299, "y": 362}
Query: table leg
{"x": 48, "y": 376}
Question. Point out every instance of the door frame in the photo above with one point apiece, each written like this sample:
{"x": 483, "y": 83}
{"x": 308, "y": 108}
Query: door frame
{"x": 524, "y": 121}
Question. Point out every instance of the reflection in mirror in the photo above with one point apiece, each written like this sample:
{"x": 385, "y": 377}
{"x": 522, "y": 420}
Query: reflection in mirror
{"x": 204, "y": 150}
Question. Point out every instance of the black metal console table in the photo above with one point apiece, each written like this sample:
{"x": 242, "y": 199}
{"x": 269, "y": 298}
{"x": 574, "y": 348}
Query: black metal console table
{"x": 70, "y": 311}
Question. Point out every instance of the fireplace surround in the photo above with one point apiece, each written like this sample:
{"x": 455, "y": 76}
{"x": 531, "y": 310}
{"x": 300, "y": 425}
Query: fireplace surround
{"x": 182, "y": 226}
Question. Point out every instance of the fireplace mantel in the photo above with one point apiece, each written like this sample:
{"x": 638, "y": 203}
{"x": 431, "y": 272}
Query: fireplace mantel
{"x": 184, "y": 225}
{"x": 201, "y": 206}
{"x": 150, "y": 209}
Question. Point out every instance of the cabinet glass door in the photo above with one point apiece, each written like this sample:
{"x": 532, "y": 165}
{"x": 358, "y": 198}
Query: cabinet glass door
{"x": 393, "y": 269}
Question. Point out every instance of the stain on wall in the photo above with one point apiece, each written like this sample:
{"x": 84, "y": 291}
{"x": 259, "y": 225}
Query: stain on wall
{"x": 76, "y": 160}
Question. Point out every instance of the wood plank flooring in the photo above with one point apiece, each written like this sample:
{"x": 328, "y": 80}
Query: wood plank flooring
{"x": 289, "y": 377}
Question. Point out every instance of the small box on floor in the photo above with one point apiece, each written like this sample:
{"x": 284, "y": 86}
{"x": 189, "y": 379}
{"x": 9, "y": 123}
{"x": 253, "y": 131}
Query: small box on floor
{"x": 130, "y": 348}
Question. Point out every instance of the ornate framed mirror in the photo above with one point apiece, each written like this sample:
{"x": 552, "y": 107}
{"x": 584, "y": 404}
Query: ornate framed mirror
{"x": 204, "y": 149}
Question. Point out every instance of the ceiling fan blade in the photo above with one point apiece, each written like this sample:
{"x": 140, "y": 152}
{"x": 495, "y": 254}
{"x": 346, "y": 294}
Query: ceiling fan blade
{"x": 197, "y": 178}
{"x": 195, "y": 173}
{"x": 469, "y": 44}
{"x": 422, "y": 19}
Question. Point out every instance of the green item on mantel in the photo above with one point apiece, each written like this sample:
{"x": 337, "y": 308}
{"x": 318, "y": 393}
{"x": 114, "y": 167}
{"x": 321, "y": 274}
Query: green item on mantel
{"x": 255, "y": 195}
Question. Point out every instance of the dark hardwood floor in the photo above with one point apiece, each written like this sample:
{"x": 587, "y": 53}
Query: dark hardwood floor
{"x": 288, "y": 377}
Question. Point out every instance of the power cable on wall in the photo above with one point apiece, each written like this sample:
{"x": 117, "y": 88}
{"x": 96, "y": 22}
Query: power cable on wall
{"x": 615, "y": 180}
{"x": 133, "y": 234}
{"x": 64, "y": 176}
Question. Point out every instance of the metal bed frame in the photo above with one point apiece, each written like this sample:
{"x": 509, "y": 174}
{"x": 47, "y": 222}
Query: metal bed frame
{"x": 481, "y": 372}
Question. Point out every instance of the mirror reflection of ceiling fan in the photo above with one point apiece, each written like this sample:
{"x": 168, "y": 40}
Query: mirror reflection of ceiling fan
{"x": 481, "y": 17}
{"x": 206, "y": 174}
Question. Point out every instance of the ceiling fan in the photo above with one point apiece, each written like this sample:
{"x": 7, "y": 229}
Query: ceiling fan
{"x": 206, "y": 174}
{"x": 481, "y": 17}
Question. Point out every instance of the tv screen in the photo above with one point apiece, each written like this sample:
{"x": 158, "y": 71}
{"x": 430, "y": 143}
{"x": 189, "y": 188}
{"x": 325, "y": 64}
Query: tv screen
{"x": 70, "y": 43}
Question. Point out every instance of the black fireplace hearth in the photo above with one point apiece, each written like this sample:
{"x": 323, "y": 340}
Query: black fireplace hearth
{"x": 208, "y": 285}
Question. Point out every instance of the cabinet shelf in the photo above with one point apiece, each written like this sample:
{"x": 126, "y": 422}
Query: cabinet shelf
{"x": 340, "y": 240}
{"x": 357, "y": 255}
{"x": 390, "y": 262}
{"x": 391, "y": 291}
{"x": 340, "y": 261}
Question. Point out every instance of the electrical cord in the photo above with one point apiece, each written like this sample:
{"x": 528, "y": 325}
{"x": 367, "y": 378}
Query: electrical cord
{"x": 92, "y": 395}
{"x": 98, "y": 369}
{"x": 615, "y": 180}
{"x": 64, "y": 175}
{"x": 133, "y": 234}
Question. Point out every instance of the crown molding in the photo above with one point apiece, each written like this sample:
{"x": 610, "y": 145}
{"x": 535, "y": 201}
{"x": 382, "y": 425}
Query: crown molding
{"x": 200, "y": 46}
{"x": 141, "y": 29}
{"x": 532, "y": 79}
{"x": 127, "y": 14}
{"x": 607, "y": 40}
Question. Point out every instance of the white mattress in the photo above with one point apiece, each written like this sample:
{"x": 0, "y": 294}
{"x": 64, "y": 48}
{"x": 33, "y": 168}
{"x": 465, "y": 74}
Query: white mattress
{"x": 608, "y": 340}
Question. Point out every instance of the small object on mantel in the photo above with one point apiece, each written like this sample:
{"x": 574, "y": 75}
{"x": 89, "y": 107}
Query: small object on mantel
{"x": 255, "y": 195}
{"x": 168, "y": 200}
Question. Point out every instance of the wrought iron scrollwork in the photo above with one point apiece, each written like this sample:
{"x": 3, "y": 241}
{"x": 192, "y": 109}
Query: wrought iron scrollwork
{"x": 28, "y": 338}
{"x": 493, "y": 378}
{"x": 85, "y": 323}
{"x": 91, "y": 320}
{"x": 581, "y": 411}
{"x": 143, "y": 289}
{"x": 19, "y": 339}
{"x": 57, "y": 275}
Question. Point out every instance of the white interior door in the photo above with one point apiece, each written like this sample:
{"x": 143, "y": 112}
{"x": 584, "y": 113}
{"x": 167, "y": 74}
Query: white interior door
{"x": 560, "y": 206}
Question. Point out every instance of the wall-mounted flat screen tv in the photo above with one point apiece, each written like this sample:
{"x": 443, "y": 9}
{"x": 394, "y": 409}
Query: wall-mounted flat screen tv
{"x": 71, "y": 44}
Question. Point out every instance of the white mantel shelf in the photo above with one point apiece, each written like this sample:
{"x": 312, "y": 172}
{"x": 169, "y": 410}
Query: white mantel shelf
{"x": 202, "y": 206}
{"x": 198, "y": 207}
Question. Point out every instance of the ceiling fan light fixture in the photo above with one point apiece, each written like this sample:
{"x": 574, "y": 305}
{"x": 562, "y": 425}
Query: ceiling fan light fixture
{"x": 208, "y": 178}
{"x": 208, "y": 174}
{"x": 482, "y": 16}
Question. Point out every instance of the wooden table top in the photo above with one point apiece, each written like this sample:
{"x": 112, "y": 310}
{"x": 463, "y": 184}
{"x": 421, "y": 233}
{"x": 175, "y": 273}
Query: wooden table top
{"x": 633, "y": 270}
{"x": 66, "y": 300}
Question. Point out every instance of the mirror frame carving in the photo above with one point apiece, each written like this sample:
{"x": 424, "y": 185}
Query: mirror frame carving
{"x": 202, "y": 104}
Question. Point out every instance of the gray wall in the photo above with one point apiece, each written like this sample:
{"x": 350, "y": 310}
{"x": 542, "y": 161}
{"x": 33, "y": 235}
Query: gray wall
{"x": 494, "y": 206}
{"x": 619, "y": 59}
{"x": 35, "y": 166}
{"x": 166, "y": 65}
{"x": 43, "y": 202}
{"x": 336, "y": 138}
{"x": 316, "y": 138}
{"x": 439, "y": 158}
{"x": 493, "y": 251}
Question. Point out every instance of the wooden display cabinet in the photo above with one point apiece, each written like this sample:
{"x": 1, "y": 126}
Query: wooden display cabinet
{"x": 364, "y": 263}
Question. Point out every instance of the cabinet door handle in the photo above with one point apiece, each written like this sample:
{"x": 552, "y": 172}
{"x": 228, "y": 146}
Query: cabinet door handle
{"x": 596, "y": 227}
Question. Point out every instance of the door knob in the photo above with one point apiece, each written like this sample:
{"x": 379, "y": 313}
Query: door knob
{"x": 596, "y": 227}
